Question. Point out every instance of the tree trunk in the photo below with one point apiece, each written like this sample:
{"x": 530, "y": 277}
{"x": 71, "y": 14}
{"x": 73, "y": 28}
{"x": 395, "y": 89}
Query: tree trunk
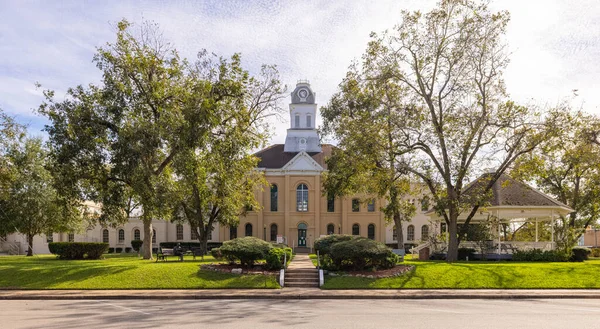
{"x": 453, "y": 238}
{"x": 29, "y": 245}
{"x": 147, "y": 245}
{"x": 399, "y": 234}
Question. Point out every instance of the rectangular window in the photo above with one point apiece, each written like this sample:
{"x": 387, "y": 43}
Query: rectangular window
{"x": 330, "y": 203}
{"x": 302, "y": 200}
{"x": 371, "y": 206}
{"x": 355, "y": 205}
{"x": 297, "y": 122}
{"x": 194, "y": 235}
{"x": 274, "y": 197}
{"x": 308, "y": 121}
{"x": 179, "y": 232}
{"x": 71, "y": 237}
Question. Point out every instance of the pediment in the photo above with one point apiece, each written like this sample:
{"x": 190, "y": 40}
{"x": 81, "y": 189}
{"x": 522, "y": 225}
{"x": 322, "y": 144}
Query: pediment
{"x": 302, "y": 162}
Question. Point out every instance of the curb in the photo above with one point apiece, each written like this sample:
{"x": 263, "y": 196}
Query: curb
{"x": 296, "y": 295}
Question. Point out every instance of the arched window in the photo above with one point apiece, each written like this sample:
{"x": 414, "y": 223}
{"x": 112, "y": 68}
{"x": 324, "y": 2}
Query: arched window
{"x": 308, "y": 121}
{"x": 136, "y": 234}
{"x": 232, "y": 232}
{"x": 179, "y": 231}
{"x": 248, "y": 229}
{"x": 355, "y": 229}
{"x": 302, "y": 198}
{"x": 297, "y": 121}
{"x": 153, "y": 236}
{"x": 273, "y": 197}
{"x": 330, "y": 229}
{"x": 104, "y": 236}
{"x": 121, "y": 235}
{"x": 355, "y": 205}
{"x": 71, "y": 237}
{"x": 425, "y": 203}
{"x": 371, "y": 206}
{"x": 410, "y": 233}
{"x": 394, "y": 234}
{"x": 371, "y": 231}
{"x": 424, "y": 232}
{"x": 273, "y": 232}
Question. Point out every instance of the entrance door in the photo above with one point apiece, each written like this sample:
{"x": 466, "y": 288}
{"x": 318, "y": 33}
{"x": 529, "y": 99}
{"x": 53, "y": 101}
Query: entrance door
{"x": 301, "y": 235}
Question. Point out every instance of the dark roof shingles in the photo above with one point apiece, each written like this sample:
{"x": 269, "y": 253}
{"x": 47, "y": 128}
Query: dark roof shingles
{"x": 273, "y": 157}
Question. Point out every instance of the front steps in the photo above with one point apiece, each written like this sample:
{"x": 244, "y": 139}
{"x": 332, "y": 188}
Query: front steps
{"x": 301, "y": 273}
{"x": 301, "y": 278}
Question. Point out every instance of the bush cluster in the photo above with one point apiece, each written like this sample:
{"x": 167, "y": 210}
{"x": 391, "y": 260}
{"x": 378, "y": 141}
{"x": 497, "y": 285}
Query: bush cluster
{"x": 248, "y": 250}
{"x": 579, "y": 254}
{"x": 136, "y": 244}
{"x": 463, "y": 253}
{"x": 537, "y": 255}
{"x": 595, "y": 252}
{"x": 78, "y": 250}
{"x": 348, "y": 252}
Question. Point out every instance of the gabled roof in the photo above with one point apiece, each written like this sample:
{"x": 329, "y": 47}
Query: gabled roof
{"x": 273, "y": 157}
{"x": 508, "y": 191}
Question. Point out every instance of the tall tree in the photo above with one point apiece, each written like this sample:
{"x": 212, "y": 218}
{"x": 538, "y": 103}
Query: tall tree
{"x": 566, "y": 166}
{"x": 10, "y": 133}
{"x": 450, "y": 60}
{"x": 365, "y": 117}
{"x": 217, "y": 182}
{"x": 117, "y": 140}
{"x": 32, "y": 206}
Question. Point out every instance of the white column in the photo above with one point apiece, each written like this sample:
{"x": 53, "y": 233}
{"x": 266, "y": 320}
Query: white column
{"x": 499, "y": 233}
{"x": 536, "y": 229}
{"x": 552, "y": 221}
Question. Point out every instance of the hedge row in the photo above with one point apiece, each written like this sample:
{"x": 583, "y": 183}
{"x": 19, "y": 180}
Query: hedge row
{"x": 248, "y": 250}
{"x": 78, "y": 250}
{"x": 349, "y": 252}
{"x": 538, "y": 255}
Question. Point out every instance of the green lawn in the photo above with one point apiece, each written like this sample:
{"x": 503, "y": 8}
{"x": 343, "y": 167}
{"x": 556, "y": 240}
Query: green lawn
{"x": 474, "y": 275}
{"x": 119, "y": 272}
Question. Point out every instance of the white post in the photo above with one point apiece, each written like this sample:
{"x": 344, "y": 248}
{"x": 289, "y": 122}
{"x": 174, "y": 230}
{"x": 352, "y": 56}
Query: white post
{"x": 536, "y": 229}
{"x": 552, "y": 228}
{"x": 499, "y": 233}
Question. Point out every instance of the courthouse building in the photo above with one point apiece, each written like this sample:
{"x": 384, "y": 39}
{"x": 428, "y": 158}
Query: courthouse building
{"x": 293, "y": 207}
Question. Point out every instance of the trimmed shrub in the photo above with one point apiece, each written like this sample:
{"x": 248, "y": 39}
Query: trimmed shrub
{"x": 579, "y": 254}
{"x": 463, "y": 253}
{"x": 323, "y": 245}
{"x": 595, "y": 252}
{"x": 275, "y": 257}
{"x": 78, "y": 250}
{"x": 359, "y": 254}
{"x": 247, "y": 250}
{"x": 216, "y": 253}
{"x": 136, "y": 244}
{"x": 537, "y": 255}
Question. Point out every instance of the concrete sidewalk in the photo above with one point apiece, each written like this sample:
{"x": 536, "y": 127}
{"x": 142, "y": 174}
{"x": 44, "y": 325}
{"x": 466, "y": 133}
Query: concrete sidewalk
{"x": 300, "y": 293}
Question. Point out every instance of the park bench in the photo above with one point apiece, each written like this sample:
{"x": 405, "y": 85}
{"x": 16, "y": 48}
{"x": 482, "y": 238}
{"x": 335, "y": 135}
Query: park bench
{"x": 196, "y": 251}
{"x": 163, "y": 253}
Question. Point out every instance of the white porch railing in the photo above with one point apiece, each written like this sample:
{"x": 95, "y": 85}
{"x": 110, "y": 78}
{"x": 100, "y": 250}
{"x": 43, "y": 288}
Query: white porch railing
{"x": 12, "y": 248}
{"x": 415, "y": 250}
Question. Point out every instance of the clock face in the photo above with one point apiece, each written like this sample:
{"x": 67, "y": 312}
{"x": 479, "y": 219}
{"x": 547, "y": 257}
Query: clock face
{"x": 303, "y": 93}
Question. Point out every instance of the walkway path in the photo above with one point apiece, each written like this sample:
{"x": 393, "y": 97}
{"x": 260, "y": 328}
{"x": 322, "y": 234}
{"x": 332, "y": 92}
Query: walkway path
{"x": 301, "y": 273}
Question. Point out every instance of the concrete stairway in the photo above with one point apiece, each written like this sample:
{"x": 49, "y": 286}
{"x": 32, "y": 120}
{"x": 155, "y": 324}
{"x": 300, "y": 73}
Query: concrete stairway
{"x": 301, "y": 273}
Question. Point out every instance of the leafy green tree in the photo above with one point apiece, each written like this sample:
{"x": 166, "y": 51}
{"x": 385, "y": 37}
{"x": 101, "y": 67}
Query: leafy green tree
{"x": 566, "y": 166}
{"x": 117, "y": 140}
{"x": 449, "y": 62}
{"x": 365, "y": 117}
{"x": 32, "y": 206}
{"x": 217, "y": 182}
{"x": 10, "y": 133}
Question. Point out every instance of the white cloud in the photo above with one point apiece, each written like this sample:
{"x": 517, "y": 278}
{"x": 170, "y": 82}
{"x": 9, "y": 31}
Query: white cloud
{"x": 554, "y": 43}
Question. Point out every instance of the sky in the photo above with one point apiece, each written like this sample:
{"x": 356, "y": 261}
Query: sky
{"x": 554, "y": 44}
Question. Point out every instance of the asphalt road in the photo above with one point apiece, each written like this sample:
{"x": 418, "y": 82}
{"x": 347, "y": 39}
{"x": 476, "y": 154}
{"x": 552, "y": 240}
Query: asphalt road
{"x": 314, "y": 314}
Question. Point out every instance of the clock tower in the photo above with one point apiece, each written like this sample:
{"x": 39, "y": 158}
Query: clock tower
{"x": 302, "y": 134}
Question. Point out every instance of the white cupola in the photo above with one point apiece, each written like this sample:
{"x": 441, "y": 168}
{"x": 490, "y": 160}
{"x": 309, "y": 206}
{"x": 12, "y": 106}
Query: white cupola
{"x": 302, "y": 134}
